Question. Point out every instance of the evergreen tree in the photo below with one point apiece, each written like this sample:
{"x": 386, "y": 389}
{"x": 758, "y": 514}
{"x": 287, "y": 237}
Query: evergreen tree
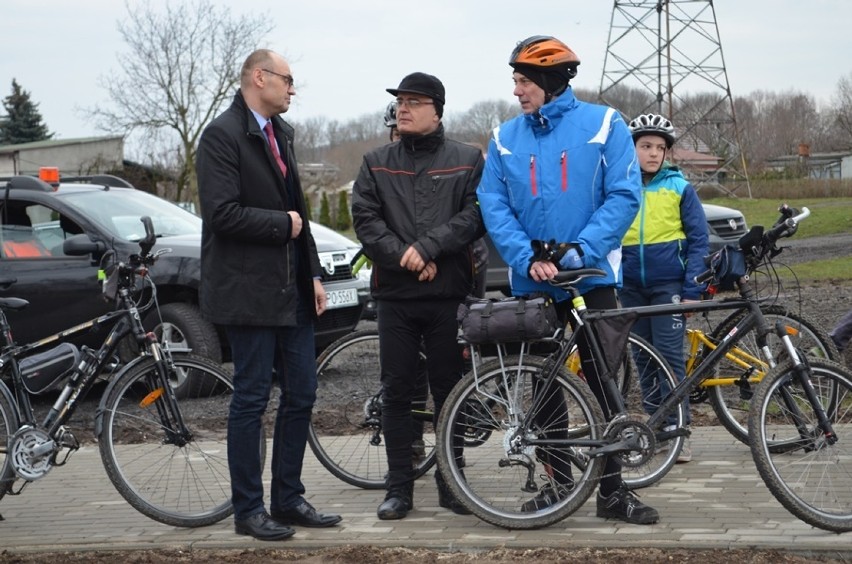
{"x": 344, "y": 218}
{"x": 23, "y": 122}
{"x": 325, "y": 212}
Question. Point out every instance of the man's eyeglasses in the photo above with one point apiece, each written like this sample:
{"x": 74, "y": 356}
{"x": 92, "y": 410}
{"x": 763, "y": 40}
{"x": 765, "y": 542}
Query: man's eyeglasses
{"x": 288, "y": 79}
{"x": 412, "y": 103}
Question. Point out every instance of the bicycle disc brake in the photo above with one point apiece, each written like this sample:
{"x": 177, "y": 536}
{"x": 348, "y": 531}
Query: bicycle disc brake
{"x": 25, "y": 449}
{"x": 641, "y": 444}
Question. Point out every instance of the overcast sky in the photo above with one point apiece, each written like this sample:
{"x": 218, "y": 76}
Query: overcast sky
{"x": 344, "y": 53}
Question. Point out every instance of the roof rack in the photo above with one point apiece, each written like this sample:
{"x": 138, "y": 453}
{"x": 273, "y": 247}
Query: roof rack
{"x": 24, "y": 182}
{"x": 102, "y": 179}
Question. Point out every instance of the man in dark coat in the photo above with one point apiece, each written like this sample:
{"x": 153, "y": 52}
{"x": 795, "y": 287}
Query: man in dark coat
{"x": 260, "y": 280}
{"x": 414, "y": 209}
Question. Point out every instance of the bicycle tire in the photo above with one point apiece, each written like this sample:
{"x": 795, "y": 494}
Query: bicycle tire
{"x": 809, "y": 476}
{"x": 651, "y": 383}
{"x": 183, "y": 485}
{"x": 345, "y": 433}
{"x": 731, "y": 402}
{"x": 482, "y": 478}
{"x": 8, "y": 427}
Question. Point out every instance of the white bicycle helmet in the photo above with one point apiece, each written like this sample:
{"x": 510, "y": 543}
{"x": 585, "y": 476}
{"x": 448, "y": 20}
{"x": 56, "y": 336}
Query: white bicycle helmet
{"x": 652, "y": 124}
{"x": 390, "y": 115}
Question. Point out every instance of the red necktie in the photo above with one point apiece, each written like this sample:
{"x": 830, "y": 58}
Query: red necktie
{"x": 271, "y": 138}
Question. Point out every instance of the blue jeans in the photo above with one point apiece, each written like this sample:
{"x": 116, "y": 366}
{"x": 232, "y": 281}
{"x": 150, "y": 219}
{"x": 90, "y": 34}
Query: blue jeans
{"x": 256, "y": 352}
{"x": 665, "y": 332}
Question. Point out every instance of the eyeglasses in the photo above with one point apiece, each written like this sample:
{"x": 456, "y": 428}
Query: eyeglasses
{"x": 288, "y": 79}
{"x": 412, "y": 103}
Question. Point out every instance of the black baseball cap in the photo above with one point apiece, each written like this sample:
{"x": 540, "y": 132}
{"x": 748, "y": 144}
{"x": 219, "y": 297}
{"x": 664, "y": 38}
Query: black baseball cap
{"x": 421, "y": 83}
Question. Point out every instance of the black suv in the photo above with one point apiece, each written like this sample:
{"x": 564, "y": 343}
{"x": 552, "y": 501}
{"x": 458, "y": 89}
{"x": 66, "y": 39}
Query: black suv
{"x": 53, "y": 237}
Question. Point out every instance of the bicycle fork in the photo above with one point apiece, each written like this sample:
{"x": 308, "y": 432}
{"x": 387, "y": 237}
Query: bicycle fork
{"x": 802, "y": 373}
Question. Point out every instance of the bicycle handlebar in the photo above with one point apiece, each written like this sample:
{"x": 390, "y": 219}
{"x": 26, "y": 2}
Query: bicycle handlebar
{"x": 756, "y": 244}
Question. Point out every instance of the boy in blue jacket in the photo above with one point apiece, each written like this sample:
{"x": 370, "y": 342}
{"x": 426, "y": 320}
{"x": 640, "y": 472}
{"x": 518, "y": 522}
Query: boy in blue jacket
{"x": 663, "y": 250}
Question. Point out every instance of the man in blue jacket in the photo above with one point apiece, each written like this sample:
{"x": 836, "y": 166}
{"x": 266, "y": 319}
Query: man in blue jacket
{"x": 563, "y": 170}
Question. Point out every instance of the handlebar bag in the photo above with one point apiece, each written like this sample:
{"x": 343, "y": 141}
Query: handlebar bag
{"x": 507, "y": 320}
{"x": 728, "y": 266}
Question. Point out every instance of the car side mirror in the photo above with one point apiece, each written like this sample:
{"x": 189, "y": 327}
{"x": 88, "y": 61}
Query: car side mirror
{"x": 82, "y": 245}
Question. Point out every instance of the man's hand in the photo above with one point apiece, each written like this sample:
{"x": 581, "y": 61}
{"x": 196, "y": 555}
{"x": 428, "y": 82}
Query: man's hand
{"x": 412, "y": 260}
{"x": 571, "y": 260}
{"x": 320, "y": 297}
{"x": 295, "y": 224}
{"x": 542, "y": 270}
{"x": 428, "y": 273}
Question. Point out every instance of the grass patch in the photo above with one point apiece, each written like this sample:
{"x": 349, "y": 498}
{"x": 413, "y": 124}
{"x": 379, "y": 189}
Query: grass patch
{"x": 828, "y": 215}
{"x": 819, "y": 270}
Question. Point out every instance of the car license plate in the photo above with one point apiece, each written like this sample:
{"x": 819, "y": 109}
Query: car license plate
{"x": 341, "y": 298}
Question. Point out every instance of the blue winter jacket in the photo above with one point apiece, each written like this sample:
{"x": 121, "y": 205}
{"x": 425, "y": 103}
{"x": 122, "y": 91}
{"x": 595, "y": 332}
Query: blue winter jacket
{"x": 668, "y": 239}
{"x": 569, "y": 173}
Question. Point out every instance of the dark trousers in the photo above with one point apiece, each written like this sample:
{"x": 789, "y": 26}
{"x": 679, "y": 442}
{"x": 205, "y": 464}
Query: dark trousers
{"x": 666, "y": 333}
{"x": 403, "y": 325}
{"x": 256, "y": 352}
{"x": 598, "y": 298}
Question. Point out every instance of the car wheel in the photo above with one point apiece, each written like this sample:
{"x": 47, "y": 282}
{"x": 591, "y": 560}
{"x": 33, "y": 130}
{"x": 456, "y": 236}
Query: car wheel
{"x": 183, "y": 327}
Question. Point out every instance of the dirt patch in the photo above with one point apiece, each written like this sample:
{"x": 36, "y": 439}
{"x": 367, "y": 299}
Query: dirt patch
{"x": 373, "y": 555}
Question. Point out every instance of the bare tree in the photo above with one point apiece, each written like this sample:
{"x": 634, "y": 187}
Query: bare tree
{"x": 182, "y": 66}
{"x": 475, "y": 124}
{"x": 843, "y": 108}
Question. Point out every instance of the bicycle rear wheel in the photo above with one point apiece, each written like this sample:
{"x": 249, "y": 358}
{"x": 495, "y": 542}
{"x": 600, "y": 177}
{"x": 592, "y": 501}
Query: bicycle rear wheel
{"x": 8, "y": 427}
{"x": 180, "y": 480}
{"x": 652, "y": 381}
{"x": 808, "y": 473}
{"x": 346, "y": 426}
{"x": 747, "y": 365}
{"x": 497, "y": 478}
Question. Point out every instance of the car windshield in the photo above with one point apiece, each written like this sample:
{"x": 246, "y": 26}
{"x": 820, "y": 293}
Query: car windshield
{"x": 118, "y": 211}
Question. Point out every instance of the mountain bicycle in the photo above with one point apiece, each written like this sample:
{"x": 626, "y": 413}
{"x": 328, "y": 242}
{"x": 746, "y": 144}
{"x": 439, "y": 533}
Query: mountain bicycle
{"x": 730, "y": 390}
{"x": 517, "y": 395}
{"x": 346, "y": 426}
{"x": 161, "y": 423}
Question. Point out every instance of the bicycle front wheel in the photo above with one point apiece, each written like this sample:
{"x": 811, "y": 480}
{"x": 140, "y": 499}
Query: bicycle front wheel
{"x": 524, "y": 452}
{"x": 346, "y": 426}
{"x": 8, "y": 427}
{"x": 180, "y": 479}
{"x": 808, "y": 472}
{"x": 739, "y": 372}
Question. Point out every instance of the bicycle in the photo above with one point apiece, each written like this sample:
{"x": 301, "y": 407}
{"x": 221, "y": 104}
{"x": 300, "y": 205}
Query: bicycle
{"x": 505, "y": 471}
{"x": 346, "y": 434}
{"x": 737, "y": 374}
{"x": 160, "y": 426}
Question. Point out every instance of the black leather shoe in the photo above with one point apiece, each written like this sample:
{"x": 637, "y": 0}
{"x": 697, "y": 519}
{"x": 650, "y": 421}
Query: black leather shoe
{"x": 263, "y": 527}
{"x": 305, "y": 515}
{"x": 398, "y": 502}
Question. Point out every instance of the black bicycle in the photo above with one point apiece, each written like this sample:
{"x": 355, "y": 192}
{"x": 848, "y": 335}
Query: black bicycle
{"x": 161, "y": 421}
{"x": 549, "y": 420}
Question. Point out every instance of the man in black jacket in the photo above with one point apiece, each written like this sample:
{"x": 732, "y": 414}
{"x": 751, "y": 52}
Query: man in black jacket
{"x": 260, "y": 280}
{"x": 415, "y": 212}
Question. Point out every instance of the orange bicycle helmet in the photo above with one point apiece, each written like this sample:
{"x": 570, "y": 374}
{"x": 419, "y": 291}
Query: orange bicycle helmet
{"x": 546, "y": 61}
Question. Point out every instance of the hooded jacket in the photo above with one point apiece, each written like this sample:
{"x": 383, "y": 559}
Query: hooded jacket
{"x": 668, "y": 239}
{"x": 568, "y": 172}
{"x": 419, "y": 191}
{"x": 251, "y": 270}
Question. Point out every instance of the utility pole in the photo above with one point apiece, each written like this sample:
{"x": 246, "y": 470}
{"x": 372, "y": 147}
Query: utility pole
{"x": 671, "y": 50}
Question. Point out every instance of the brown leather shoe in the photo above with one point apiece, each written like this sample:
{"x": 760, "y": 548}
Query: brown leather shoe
{"x": 304, "y": 515}
{"x": 263, "y": 527}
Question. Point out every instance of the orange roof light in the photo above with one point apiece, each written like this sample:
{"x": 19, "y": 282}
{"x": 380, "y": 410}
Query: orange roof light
{"x": 49, "y": 174}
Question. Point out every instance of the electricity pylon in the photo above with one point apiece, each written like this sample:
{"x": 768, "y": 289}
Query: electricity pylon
{"x": 671, "y": 49}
